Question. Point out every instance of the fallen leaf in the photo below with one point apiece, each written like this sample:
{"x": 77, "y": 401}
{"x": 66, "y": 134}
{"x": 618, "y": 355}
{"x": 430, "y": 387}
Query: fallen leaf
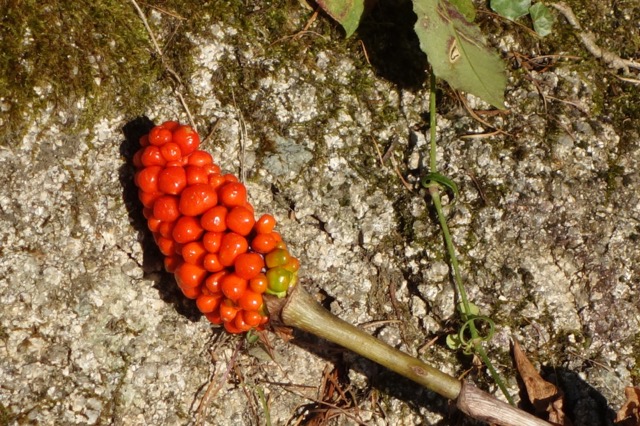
{"x": 629, "y": 413}
{"x": 546, "y": 398}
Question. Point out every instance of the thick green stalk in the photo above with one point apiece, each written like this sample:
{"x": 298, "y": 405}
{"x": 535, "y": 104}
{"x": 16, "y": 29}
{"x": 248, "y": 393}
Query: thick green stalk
{"x": 305, "y": 313}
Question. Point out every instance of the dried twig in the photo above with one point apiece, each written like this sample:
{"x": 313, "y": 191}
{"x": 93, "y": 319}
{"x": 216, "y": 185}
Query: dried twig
{"x": 588, "y": 40}
{"x": 166, "y": 65}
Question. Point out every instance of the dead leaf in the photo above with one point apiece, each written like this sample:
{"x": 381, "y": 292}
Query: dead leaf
{"x": 546, "y": 398}
{"x": 629, "y": 414}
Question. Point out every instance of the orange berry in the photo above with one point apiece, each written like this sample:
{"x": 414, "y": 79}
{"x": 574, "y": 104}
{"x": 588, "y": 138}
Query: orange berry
{"x": 165, "y": 208}
{"x": 240, "y": 220}
{"x": 212, "y": 241}
{"x": 211, "y": 262}
{"x": 248, "y": 265}
{"x": 252, "y": 318}
{"x": 187, "y": 229}
{"x": 188, "y": 275}
{"x": 232, "y": 194}
{"x": 191, "y": 292}
{"x": 265, "y": 224}
{"x": 263, "y": 243}
{"x": 194, "y": 253}
{"x": 215, "y": 219}
{"x": 231, "y": 245}
{"x": 171, "y": 263}
{"x": 250, "y": 301}
{"x": 197, "y": 199}
{"x": 259, "y": 283}
{"x": 240, "y": 323}
{"x": 228, "y": 310}
{"x": 212, "y": 282}
{"x": 207, "y": 304}
{"x": 232, "y": 286}
{"x": 166, "y": 245}
{"x": 200, "y": 158}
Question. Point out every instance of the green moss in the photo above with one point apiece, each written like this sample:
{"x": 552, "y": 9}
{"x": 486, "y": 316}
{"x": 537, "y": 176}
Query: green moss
{"x": 5, "y": 416}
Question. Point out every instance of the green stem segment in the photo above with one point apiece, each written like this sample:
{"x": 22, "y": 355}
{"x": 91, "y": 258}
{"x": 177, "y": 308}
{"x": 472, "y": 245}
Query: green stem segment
{"x": 305, "y": 313}
{"x": 302, "y": 311}
{"x": 434, "y": 192}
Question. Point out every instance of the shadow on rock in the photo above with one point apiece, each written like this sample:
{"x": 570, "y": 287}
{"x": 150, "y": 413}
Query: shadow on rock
{"x": 391, "y": 43}
{"x": 583, "y": 404}
{"x": 152, "y": 263}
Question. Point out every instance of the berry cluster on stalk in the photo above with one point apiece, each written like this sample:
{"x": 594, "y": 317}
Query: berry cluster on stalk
{"x": 220, "y": 254}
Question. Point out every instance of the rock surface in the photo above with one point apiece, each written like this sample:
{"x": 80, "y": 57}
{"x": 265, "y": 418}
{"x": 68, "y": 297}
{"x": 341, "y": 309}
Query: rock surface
{"x": 547, "y": 228}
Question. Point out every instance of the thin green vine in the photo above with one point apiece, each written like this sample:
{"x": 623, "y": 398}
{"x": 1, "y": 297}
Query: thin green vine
{"x": 468, "y": 311}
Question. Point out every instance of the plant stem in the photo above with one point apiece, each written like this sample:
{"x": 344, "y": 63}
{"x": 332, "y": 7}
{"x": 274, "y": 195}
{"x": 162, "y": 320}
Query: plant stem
{"x": 304, "y": 312}
{"x": 434, "y": 192}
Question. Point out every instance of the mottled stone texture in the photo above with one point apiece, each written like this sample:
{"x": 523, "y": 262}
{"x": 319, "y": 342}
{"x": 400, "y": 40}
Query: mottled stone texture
{"x": 547, "y": 228}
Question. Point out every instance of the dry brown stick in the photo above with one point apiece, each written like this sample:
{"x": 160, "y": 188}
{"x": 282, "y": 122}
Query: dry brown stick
{"x": 589, "y": 42}
{"x": 170, "y": 70}
{"x": 483, "y": 406}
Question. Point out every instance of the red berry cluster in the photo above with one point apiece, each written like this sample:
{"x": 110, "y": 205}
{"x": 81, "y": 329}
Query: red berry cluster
{"x": 220, "y": 254}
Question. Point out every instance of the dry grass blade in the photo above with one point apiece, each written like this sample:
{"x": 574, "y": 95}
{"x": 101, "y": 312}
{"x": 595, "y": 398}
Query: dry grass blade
{"x": 170, "y": 70}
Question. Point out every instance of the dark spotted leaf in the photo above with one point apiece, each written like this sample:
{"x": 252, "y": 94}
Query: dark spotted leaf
{"x": 457, "y": 51}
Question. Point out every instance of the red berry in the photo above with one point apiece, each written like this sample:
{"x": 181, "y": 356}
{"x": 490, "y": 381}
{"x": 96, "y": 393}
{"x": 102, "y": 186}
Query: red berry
{"x": 240, "y": 220}
{"x": 233, "y": 194}
{"x": 197, "y": 199}
{"x": 215, "y": 219}
{"x": 231, "y": 246}
{"x": 200, "y": 158}
{"x": 171, "y": 151}
{"x": 248, "y": 265}
{"x": 172, "y": 180}
{"x": 187, "y": 229}
{"x": 233, "y": 286}
{"x": 265, "y": 224}
{"x": 152, "y": 156}
{"x": 186, "y": 138}
{"x": 147, "y": 179}
{"x": 165, "y": 208}
{"x": 195, "y": 175}
{"x": 159, "y": 136}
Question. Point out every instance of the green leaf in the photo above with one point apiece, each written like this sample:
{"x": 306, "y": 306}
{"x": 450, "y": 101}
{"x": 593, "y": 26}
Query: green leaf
{"x": 542, "y": 19}
{"x": 457, "y": 51}
{"x": 466, "y": 8}
{"x": 346, "y": 12}
{"x": 511, "y": 9}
